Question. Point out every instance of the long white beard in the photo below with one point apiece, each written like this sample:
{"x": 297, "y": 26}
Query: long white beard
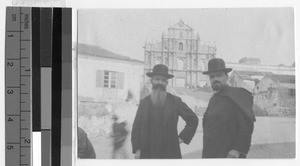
{"x": 158, "y": 97}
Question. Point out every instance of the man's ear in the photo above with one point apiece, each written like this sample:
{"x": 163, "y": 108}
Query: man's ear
{"x": 227, "y": 77}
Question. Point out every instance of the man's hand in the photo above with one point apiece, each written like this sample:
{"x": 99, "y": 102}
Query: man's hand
{"x": 233, "y": 154}
{"x": 137, "y": 154}
{"x": 180, "y": 140}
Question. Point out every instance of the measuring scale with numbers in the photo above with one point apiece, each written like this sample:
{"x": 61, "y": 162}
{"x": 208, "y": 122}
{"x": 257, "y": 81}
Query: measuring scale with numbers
{"x": 18, "y": 86}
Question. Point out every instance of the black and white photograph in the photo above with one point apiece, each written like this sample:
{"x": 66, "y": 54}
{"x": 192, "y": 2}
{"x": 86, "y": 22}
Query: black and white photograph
{"x": 186, "y": 83}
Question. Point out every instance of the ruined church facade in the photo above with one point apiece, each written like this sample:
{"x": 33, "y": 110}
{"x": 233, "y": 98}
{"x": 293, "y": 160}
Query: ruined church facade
{"x": 185, "y": 55}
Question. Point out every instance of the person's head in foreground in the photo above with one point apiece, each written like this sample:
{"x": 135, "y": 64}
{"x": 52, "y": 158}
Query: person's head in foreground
{"x": 159, "y": 81}
{"x": 218, "y": 73}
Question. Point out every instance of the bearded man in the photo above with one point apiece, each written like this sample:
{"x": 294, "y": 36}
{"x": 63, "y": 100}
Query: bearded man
{"x": 228, "y": 120}
{"x": 154, "y": 132}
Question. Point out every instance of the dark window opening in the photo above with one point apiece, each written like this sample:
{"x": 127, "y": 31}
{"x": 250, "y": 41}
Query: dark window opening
{"x": 180, "y": 46}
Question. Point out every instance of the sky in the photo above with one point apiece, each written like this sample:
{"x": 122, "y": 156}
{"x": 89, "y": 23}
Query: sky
{"x": 265, "y": 33}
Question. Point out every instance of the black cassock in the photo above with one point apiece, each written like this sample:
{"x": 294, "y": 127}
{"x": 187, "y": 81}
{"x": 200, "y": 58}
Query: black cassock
{"x": 154, "y": 130}
{"x": 228, "y": 123}
{"x": 156, "y": 142}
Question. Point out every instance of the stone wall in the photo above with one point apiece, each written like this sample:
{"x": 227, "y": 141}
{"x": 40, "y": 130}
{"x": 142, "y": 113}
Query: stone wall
{"x": 95, "y": 117}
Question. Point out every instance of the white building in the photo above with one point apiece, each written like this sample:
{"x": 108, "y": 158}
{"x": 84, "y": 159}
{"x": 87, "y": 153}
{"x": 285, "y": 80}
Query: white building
{"x": 106, "y": 77}
{"x": 249, "y": 71}
{"x": 108, "y": 83}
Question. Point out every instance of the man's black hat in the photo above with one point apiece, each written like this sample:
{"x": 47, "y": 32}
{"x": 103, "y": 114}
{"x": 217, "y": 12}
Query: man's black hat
{"x": 160, "y": 69}
{"x": 215, "y": 65}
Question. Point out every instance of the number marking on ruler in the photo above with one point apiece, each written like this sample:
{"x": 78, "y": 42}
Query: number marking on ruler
{"x": 18, "y": 86}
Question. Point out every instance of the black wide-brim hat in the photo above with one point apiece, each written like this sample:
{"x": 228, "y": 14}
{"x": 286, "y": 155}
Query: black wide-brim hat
{"x": 160, "y": 69}
{"x": 216, "y": 65}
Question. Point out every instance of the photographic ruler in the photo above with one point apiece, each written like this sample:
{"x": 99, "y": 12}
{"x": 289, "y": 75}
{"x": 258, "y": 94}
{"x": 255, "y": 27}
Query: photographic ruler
{"x": 38, "y": 84}
{"x": 18, "y": 78}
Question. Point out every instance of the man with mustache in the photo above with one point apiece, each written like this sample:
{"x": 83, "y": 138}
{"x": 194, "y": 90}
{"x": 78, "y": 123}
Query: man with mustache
{"x": 154, "y": 132}
{"x": 228, "y": 120}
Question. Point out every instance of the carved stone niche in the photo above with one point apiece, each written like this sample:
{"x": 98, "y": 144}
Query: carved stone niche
{"x": 181, "y": 63}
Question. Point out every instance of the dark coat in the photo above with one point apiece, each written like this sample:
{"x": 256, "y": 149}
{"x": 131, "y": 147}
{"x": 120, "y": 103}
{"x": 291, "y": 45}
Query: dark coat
{"x": 225, "y": 125}
{"x": 173, "y": 108}
{"x": 85, "y": 147}
{"x": 119, "y": 134}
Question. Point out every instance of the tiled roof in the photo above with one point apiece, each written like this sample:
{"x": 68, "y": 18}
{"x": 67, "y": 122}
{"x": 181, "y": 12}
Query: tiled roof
{"x": 276, "y": 77}
{"x": 97, "y": 51}
{"x": 251, "y": 73}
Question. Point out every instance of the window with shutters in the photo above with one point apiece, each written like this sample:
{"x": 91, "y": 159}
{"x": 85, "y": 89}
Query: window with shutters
{"x": 110, "y": 79}
{"x": 106, "y": 79}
